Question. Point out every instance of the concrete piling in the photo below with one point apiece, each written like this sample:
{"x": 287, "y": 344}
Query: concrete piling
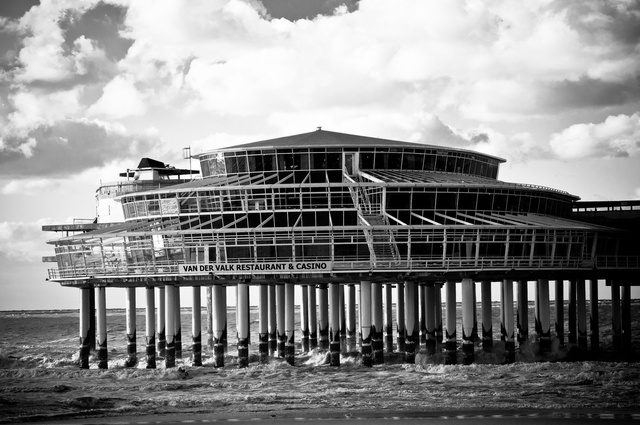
{"x": 582, "y": 313}
{"x": 196, "y": 327}
{"x": 289, "y": 329}
{"x": 219, "y": 323}
{"x": 334, "y": 324}
{"x": 377, "y": 341}
{"x": 350, "y": 301}
{"x": 242, "y": 323}
{"x": 273, "y": 327}
{"x": 542, "y": 315}
{"x": 388, "y": 318}
{"x": 160, "y": 324}
{"x": 280, "y": 319}
{"x": 304, "y": 318}
{"x": 132, "y": 356}
{"x": 323, "y": 316}
{"x": 507, "y": 327}
{"x": 150, "y": 327}
{"x": 101, "y": 304}
{"x": 170, "y": 319}
{"x": 263, "y": 324}
{"x": 313, "y": 318}
{"x": 400, "y": 318}
{"x": 487, "y": 319}
{"x": 177, "y": 322}
{"x": 593, "y": 317}
{"x": 411, "y": 321}
{"x": 522, "y": 320}
{"x": 450, "y": 345}
{"x": 365, "y": 323}
{"x": 430, "y": 319}
{"x": 559, "y": 307}
{"x": 85, "y": 345}
{"x": 467, "y": 293}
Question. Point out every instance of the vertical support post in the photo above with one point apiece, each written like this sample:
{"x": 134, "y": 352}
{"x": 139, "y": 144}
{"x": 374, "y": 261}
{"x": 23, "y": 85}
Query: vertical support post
{"x": 323, "y": 319}
{"x": 242, "y": 324}
{"x": 85, "y": 345}
{"x": 102, "y": 328}
{"x": 411, "y": 324}
{"x": 365, "y": 322}
{"x": 313, "y": 318}
{"x": 626, "y": 318}
{"x": 594, "y": 319}
{"x": 400, "y": 319}
{"x": 422, "y": 297}
{"x": 573, "y": 294}
{"x": 474, "y": 331}
{"x": 225, "y": 339}
{"x": 170, "y": 320}
{"x": 487, "y": 321}
{"x": 543, "y": 324}
{"x": 507, "y": 321}
{"x": 559, "y": 325}
{"x": 273, "y": 327}
{"x": 196, "y": 326}
{"x": 304, "y": 318}
{"x": 430, "y": 319}
{"x": 450, "y": 325}
{"x": 582, "y": 313}
{"x": 350, "y": 300}
{"x": 343, "y": 319}
{"x": 289, "y": 318}
{"x": 377, "y": 342}
{"x": 209, "y": 318}
{"x": 523, "y": 312}
{"x": 388, "y": 318}
{"x": 219, "y": 323}
{"x": 92, "y": 319}
{"x": 160, "y": 325}
{"x": 151, "y": 327}
{"x": 616, "y": 320}
{"x": 132, "y": 356}
{"x": 438, "y": 301}
{"x": 334, "y": 324}
{"x": 177, "y": 322}
{"x": 280, "y": 302}
{"x": 263, "y": 325}
{"x": 467, "y": 291}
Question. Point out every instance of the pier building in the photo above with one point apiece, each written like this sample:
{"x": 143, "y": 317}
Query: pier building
{"x": 345, "y": 220}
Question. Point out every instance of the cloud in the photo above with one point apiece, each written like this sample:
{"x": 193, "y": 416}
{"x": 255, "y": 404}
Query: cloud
{"x": 617, "y": 136}
{"x": 120, "y": 99}
{"x": 69, "y": 147}
{"x": 28, "y": 186}
{"x": 24, "y": 242}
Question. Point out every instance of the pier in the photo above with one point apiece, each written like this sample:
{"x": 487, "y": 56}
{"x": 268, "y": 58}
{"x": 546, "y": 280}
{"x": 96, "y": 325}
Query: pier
{"x": 360, "y": 233}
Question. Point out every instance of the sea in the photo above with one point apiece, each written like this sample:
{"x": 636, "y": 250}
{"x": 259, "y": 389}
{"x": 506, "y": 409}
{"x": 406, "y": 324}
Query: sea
{"x": 40, "y": 379}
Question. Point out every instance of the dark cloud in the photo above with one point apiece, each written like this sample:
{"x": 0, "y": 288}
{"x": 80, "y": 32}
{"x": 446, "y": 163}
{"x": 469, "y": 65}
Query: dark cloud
{"x": 590, "y": 92}
{"x": 305, "y": 9}
{"x": 102, "y": 24}
{"x": 16, "y": 8}
{"x": 70, "y": 147}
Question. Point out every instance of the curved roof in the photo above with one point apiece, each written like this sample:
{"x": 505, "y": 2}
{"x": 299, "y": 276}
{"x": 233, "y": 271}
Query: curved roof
{"x": 324, "y": 139}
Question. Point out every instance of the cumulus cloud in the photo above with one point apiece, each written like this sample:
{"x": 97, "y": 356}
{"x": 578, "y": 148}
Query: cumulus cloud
{"x": 28, "y": 186}
{"x": 615, "y": 137}
{"x": 24, "y": 241}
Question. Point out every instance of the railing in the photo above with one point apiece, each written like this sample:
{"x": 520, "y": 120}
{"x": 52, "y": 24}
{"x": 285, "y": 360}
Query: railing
{"x": 354, "y": 263}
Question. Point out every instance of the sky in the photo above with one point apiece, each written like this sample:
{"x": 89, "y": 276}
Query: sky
{"x": 89, "y": 87}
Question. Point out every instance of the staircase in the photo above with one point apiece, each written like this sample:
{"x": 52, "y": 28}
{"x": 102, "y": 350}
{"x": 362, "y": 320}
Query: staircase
{"x": 381, "y": 241}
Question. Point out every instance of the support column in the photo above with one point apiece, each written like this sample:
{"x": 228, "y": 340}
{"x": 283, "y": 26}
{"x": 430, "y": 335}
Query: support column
{"x": 400, "y": 319}
{"x": 377, "y": 341}
{"x": 468, "y": 289}
{"x": 543, "y": 325}
{"x": 289, "y": 330}
{"x": 219, "y": 323}
{"x": 242, "y": 324}
{"x": 209, "y": 318}
{"x": 582, "y": 313}
{"x": 430, "y": 319}
{"x": 559, "y": 325}
{"x": 365, "y": 322}
{"x": 573, "y": 328}
{"x": 487, "y": 319}
{"x": 84, "y": 325}
{"x": 132, "y": 356}
{"x": 160, "y": 326}
{"x": 178, "y": 322}
{"x": 323, "y": 316}
{"x": 304, "y": 318}
{"x": 334, "y": 324}
{"x": 196, "y": 326}
{"x": 594, "y": 319}
{"x": 523, "y": 312}
{"x": 263, "y": 324}
{"x": 450, "y": 325}
{"x": 102, "y": 328}
{"x": 343, "y": 319}
{"x": 225, "y": 338}
{"x": 313, "y": 318}
{"x": 151, "y": 328}
{"x": 422, "y": 297}
{"x": 507, "y": 321}
{"x": 626, "y": 317}
{"x": 350, "y": 299}
{"x": 273, "y": 328}
{"x": 280, "y": 303}
{"x": 170, "y": 320}
{"x": 92, "y": 319}
{"x": 411, "y": 338}
{"x": 388, "y": 318}
{"x": 439, "y": 332}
